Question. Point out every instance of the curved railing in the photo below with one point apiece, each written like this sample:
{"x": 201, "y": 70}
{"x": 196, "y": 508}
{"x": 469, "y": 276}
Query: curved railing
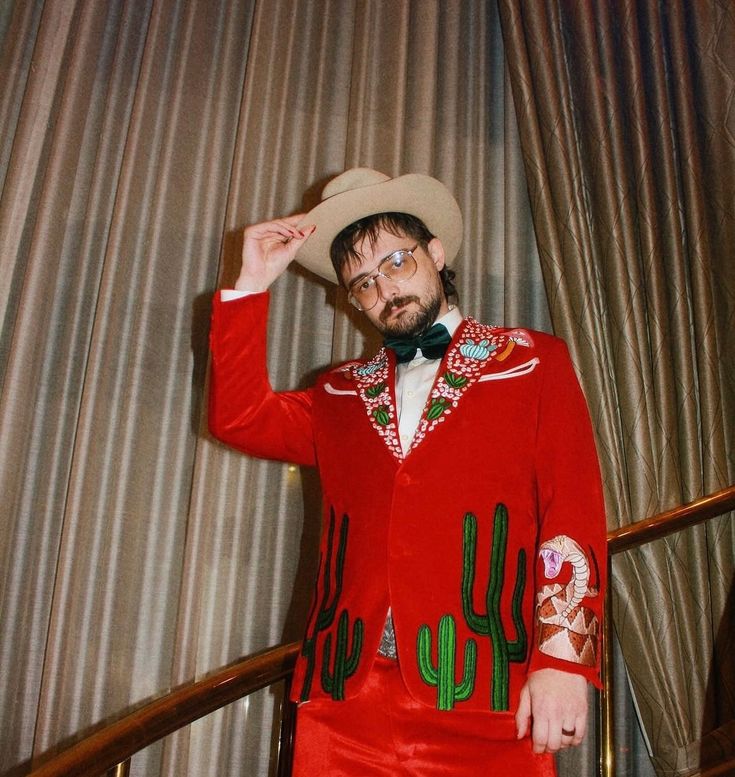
{"x": 671, "y": 521}
{"x": 625, "y": 538}
{"x": 113, "y": 746}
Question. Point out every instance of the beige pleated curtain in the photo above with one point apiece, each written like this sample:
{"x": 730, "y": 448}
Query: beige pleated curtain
{"x": 135, "y": 138}
{"x": 628, "y": 131}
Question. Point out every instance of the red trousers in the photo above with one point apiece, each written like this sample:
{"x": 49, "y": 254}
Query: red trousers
{"x": 383, "y": 732}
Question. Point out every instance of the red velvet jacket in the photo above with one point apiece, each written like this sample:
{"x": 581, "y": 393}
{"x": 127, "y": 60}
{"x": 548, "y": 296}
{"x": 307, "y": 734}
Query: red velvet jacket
{"x": 487, "y": 540}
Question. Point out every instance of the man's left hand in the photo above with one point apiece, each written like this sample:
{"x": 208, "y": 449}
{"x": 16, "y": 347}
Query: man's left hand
{"x": 553, "y": 705}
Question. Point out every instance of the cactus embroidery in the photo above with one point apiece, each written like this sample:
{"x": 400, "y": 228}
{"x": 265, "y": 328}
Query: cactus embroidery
{"x": 372, "y": 382}
{"x": 455, "y": 381}
{"x": 376, "y": 390}
{"x": 475, "y": 349}
{"x": 442, "y": 675}
{"x": 322, "y": 619}
{"x": 480, "y": 350}
{"x": 490, "y": 622}
{"x": 437, "y": 407}
{"x": 344, "y": 665}
{"x": 382, "y": 415}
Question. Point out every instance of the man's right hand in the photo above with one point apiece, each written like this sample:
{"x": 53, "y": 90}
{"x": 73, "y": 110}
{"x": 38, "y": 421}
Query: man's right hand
{"x": 268, "y": 249}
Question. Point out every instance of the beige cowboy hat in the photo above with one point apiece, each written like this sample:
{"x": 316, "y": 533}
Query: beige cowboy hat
{"x": 361, "y": 192}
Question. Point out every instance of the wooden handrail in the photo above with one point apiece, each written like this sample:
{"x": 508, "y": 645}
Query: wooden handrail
{"x": 671, "y": 521}
{"x": 623, "y": 539}
{"x": 120, "y": 740}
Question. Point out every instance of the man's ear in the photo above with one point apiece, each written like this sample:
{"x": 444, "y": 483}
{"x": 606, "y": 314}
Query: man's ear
{"x": 435, "y": 249}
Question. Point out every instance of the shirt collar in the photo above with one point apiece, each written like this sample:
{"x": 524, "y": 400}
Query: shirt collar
{"x": 451, "y": 320}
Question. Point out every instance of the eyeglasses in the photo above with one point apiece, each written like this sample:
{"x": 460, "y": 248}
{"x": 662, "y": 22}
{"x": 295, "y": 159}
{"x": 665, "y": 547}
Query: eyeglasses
{"x": 398, "y": 267}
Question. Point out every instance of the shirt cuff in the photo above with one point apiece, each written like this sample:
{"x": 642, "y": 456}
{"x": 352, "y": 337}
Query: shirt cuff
{"x": 229, "y": 294}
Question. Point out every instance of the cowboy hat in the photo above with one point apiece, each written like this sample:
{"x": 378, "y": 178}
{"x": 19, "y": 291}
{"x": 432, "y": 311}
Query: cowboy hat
{"x": 361, "y": 192}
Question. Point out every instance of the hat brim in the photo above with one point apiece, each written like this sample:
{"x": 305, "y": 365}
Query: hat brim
{"x": 418, "y": 195}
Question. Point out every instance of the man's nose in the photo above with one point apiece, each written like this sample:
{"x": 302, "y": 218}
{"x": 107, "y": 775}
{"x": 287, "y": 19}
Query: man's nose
{"x": 387, "y": 288}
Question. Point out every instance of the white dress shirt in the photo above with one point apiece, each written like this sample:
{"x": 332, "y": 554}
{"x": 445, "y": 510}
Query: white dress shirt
{"x": 414, "y": 380}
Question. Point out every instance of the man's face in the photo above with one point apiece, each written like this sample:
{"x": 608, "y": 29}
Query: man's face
{"x": 408, "y": 308}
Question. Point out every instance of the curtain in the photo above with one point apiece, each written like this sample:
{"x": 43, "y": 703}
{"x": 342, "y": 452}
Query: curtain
{"x": 136, "y": 138}
{"x": 628, "y": 135}
{"x": 119, "y": 127}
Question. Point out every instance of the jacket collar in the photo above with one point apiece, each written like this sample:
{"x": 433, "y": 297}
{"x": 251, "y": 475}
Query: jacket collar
{"x": 476, "y": 349}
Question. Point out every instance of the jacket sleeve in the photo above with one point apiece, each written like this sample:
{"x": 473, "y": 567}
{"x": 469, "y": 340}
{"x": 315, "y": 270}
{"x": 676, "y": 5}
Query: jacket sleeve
{"x": 244, "y": 411}
{"x": 571, "y": 561}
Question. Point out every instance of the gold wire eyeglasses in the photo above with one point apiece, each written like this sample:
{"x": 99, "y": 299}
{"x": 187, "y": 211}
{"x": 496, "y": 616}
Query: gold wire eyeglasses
{"x": 398, "y": 267}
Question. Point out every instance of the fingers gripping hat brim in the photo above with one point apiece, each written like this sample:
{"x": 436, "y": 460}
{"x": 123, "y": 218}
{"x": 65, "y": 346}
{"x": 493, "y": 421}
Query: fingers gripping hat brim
{"x": 363, "y": 192}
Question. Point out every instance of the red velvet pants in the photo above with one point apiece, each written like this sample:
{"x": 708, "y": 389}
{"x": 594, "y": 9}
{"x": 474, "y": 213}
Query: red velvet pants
{"x": 383, "y": 732}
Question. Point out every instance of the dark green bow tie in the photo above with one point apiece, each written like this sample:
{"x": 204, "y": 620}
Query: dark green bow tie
{"x": 433, "y": 344}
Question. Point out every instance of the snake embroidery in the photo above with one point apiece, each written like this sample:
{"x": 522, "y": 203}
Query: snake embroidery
{"x": 567, "y": 629}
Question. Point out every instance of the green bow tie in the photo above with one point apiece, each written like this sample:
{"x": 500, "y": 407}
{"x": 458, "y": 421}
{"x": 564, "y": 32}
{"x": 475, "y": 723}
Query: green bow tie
{"x": 433, "y": 344}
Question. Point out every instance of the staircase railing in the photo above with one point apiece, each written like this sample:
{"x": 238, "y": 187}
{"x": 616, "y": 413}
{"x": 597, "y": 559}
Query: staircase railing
{"x": 110, "y": 748}
{"x": 108, "y": 751}
{"x": 618, "y": 541}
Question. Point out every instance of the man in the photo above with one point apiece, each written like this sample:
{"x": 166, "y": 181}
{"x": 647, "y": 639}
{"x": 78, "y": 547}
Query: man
{"x": 456, "y": 616}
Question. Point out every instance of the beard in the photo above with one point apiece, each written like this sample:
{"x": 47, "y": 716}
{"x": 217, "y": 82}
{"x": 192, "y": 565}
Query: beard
{"x": 410, "y": 323}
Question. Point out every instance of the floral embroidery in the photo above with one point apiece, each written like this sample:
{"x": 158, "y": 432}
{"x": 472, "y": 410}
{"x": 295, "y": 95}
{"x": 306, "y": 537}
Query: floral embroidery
{"x": 466, "y": 360}
{"x": 520, "y": 336}
{"x": 372, "y": 386}
{"x": 475, "y": 348}
{"x": 347, "y": 370}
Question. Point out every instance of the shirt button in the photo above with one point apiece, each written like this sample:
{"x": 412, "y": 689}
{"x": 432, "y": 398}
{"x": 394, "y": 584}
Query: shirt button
{"x": 410, "y": 393}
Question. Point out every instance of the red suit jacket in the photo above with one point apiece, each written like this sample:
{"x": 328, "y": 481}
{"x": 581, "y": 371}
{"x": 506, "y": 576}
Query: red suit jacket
{"x": 487, "y": 540}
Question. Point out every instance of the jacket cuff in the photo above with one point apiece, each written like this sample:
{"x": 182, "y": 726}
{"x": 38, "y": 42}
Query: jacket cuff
{"x": 541, "y": 660}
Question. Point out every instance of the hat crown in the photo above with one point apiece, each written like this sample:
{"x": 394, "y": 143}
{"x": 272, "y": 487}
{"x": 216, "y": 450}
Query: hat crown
{"x": 361, "y": 192}
{"x": 355, "y": 178}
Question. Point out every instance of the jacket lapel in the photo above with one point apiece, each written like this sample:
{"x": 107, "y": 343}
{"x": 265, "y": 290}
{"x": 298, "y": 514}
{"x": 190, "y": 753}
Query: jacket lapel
{"x": 475, "y": 351}
{"x": 375, "y": 381}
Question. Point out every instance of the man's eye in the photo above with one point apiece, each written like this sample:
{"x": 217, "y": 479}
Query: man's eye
{"x": 365, "y": 285}
{"x": 398, "y": 259}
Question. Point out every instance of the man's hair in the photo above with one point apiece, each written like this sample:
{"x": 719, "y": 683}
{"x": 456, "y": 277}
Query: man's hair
{"x": 343, "y": 251}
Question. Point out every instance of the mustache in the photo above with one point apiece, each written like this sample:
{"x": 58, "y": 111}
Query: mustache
{"x": 396, "y": 302}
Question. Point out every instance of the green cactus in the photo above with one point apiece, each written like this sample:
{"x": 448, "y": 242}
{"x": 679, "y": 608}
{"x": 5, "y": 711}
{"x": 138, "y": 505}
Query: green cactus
{"x": 327, "y": 609}
{"x": 442, "y": 676}
{"x": 437, "y": 407}
{"x": 490, "y": 623}
{"x": 381, "y": 415}
{"x": 376, "y": 390}
{"x": 344, "y": 665}
{"x": 454, "y": 380}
